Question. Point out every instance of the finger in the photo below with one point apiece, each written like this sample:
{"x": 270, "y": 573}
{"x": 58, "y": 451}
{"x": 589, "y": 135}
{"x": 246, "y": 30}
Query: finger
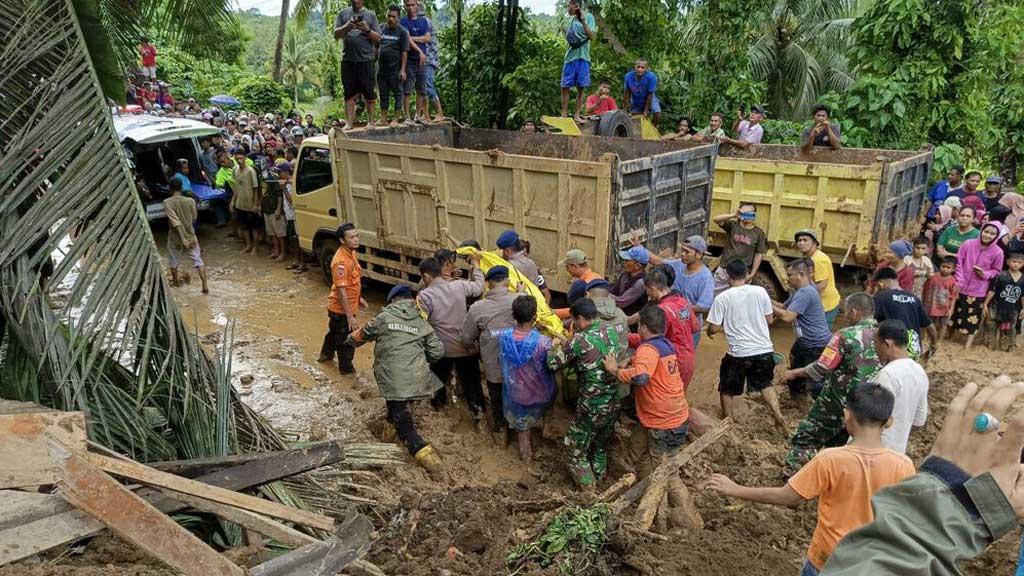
{"x": 953, "y": 428}
{"x": 1008, "y": 450}
{"x": 1001, "y": 399}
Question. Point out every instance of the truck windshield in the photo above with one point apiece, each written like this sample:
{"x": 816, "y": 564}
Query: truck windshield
{"x": 314, "y": 170}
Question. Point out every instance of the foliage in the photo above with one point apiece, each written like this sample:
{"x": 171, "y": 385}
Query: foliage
{"x": 260, "y": 94}
{"x": 571, "y": 541}
{"x": 295, "y": 63}
{"x": 333, "y": 111}
{"x": 946, "y": 156}
{"x": 198, "y": 78}
{"x": 326, "y": 63}
{"x": 783, "y": 131}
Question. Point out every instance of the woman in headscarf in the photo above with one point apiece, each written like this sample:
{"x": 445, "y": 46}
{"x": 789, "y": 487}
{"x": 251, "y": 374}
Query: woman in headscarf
{"x": 954, "y": 236}
{"x": 896, "y": 256}
{"x": 945, "y": 215}
{"x": 1015, "y": 203}
{"x": 979, "y": 260}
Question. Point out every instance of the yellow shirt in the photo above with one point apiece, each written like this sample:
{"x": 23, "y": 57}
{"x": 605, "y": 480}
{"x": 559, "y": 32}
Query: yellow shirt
{"x": 823, "y": 271}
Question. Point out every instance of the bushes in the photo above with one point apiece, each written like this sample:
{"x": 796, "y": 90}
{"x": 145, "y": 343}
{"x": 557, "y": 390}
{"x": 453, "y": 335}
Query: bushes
{"x": 781, "y": 131}
{"x": 260, "y": 94}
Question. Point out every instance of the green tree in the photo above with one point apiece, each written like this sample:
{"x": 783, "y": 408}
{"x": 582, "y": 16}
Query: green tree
{"x": 260, "y": 94}
{"x": 295, "y": 63}
{"x": 279, "y": 44}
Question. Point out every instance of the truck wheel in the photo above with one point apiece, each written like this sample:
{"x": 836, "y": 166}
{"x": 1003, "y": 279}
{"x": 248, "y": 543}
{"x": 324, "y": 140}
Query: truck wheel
{"x": 325, "y": 253}
{"x": 615, "y": 124}
{"x": 766, "y": 281}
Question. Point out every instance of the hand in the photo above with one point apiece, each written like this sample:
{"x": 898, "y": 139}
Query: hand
{"x": 790, "y": 375}
{"x": 401, "y": 75}
{"x": 352, "y": 324}
{"x": 976, "y": 453}
{"x": 457, "y": 273}
{"x": 984, "y": 312}
{"x": 979, "y": 273}
{"x": 423, "y": 59}
{"x": 739, "y": 114}
{"x": 634, "y": 239}
{"x": 363, "y": 304}
{"x": 362, "y": 25}
{"x": 192, "y": 244}
{"x": 610, "y": 365}
{"x": 722, "y": 484}
{"x": 751, "y": 276}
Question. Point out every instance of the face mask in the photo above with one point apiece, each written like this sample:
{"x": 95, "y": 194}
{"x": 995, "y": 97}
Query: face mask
{"x": 748, "y": 216}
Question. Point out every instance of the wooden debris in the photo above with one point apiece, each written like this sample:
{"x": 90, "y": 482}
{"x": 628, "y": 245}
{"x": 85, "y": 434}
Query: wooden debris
{"x": 670, "y": 466}
{"x": 327, "y": 558}
{"x": 87, "y": 488}
{"x": 146, "y": 475}
{"x": 650, "y": 503}
{"x": 620, "y": 485}
{"x": 309, "y": 458}
{"x": 24, "y": 427}
{"x": 17, "y": 508}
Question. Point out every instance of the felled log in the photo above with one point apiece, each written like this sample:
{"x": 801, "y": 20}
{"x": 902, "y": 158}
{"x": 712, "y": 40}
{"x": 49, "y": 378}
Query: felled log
{"x": 327, "y": 558}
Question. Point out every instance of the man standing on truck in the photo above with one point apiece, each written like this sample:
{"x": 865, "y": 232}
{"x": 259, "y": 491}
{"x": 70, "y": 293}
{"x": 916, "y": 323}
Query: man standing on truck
{"x": 344, "y": 300}
{"x": 748, "y": 130}
{"x": 576, "y": 65}
{"x": 361, "y": 32}
{"x": 744, "y": 241}
{"x": 640, "y": 86}
{"x": 807, "y": 243}
{"x": 394, "y": 50}
{"x": 823, "y": 133}
{"x": 514, "y": 251}
{"x": 418, "y": 61}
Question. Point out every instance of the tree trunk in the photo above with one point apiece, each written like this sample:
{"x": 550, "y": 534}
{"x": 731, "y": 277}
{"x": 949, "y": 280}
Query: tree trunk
{"x": 282, "y": 25}
{"x": 458, "y": 64}
{"x": 510, "y": 43}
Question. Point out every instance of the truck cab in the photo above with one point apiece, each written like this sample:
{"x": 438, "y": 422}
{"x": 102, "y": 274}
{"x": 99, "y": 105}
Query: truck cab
{"x": 315, "y": 199}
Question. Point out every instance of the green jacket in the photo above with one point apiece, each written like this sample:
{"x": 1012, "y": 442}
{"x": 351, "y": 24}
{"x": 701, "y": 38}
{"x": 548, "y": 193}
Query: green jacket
{"x": 925, "y": 524}
{"x": 405, "y": 347}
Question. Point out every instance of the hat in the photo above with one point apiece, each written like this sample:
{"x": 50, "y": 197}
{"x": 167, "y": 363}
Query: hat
{"x": 637, "y": 254}
{"x": 994, "y": 179}
{"x": 400, "y": 290}
{"x": 289, "y": 121}
{"x": 507, "y": 239}
{"x": 283, "y": 167}
{"x": 758, "y": 109}
{"x": 574, "y": 256}
{"x": 697, "y": 243}
{"x": 496, "y": 273}
{"x": 953, "y": 202}
{"x": 901, "y": 248}
{"x": 297, "y": 131}
{"x": 599, "y": 283}
{"x": 809, "y": 233}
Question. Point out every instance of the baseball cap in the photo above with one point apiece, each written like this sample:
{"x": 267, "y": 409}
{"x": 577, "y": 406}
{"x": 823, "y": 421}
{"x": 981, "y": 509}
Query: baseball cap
{"x": 496, "y": 273}
{"x": 283, "y": 167}
{"x": 599, "y": 283}
{"x": 637, "y": 254}
{"x": 297, "y": 131}
{"x": 994, "y": 179}
{"x": 507, "y": 239}
{"x": 697, "y": 243}
{"x": 807, "y": 232}
{"x": 574, "y": 256}
{"x": 758, "y": 109}
{"x": 400, "y": 290}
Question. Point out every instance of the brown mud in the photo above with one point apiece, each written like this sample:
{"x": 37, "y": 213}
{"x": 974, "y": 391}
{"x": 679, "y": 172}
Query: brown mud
{"x": 490, "y": 502}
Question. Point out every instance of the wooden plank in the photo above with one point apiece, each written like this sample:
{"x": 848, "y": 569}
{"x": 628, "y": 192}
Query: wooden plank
{"x": 71, "y": 525}
{"x": 146, "y": 475}
{"x": 23, "y": 456}
{"x": 86, "y": 487}
{"x": 17, "y": 508}
{"x": 319, "y": 454}
{"x": 323, "y": 558}
{"x": 260, "y": 524}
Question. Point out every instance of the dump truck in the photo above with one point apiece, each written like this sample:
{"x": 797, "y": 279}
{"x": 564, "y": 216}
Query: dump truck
{"x": 413, "y": 190}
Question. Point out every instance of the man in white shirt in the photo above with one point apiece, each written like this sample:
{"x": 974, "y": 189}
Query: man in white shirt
{"x": 906, "y": 379}
{"x": 743, "y": 312}
{"x": 749, "y": 131}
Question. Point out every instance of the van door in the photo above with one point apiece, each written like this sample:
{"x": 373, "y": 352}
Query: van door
{"x": 315, "y": 199}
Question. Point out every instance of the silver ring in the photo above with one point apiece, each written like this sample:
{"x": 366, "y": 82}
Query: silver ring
{"x": 985, "y": 422}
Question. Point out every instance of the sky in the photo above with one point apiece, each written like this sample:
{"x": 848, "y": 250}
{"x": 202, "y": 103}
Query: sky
{"x": 273, "y": 7}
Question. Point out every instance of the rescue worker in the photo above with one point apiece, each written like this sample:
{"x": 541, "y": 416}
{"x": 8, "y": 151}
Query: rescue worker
{"x": 405, "y": 347}
{"x": 593, "y": 426}
{"x": 486, "y": 317}
{"x": 680, "y": 321}
{"x": 344, "y": 300}
{"x": 514, "y": 251}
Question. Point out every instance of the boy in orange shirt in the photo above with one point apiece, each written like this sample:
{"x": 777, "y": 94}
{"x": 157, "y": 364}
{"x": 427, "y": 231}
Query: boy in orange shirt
{"x": 661, "y": 408}
{"x": 843, "y": 478}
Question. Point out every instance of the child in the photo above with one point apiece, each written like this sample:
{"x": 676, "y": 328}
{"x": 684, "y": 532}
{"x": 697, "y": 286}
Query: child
{"x": 661, "y": 408}
{"x": 181, "y": 213}
{"x": 940, "y": 293}
{"x": 529, "y": 386}
{"x": 843, "y": 479}
{"x": 921, "y": 264}
{"x": 272, "y": 207}
{"x": 1006, "y": 293}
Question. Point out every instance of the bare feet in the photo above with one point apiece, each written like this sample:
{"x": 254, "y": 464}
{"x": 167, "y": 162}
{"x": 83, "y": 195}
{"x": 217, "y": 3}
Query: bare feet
{"x": 280, "y": 258}
{"x": 206, "y": 290}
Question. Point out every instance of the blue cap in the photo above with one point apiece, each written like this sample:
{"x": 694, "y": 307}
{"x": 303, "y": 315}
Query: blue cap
{"x": 599, "y": 283}
{"x": 496, "y": 273}
{"x": 507, "y": 239}
{"x": 901, "y": 248}
{"x": 400, "y": 290}
{"x": 637, "y": 253}
{"x": 697, "y": 243}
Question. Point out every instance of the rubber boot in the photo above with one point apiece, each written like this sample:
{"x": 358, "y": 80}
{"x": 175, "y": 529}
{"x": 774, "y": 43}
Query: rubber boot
{"x": 428, "y": 459}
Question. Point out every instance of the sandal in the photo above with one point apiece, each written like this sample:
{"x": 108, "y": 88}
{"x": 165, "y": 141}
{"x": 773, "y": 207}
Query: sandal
{"x": 291, "y": 267}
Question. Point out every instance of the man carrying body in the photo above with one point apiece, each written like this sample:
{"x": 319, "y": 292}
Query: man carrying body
{"x": 824, "y": 275}
{"x": 640, "y": 86}
{"x": 894, "y": 303}
{"x": 804, "y": 311}
{"x": 344, "y": 300}
{"x": 181, "y": 214}
{"x": 628, "y": 288}
{"x": 578, "y": 268}
{"x": 680, "y": 321}
{"x": 907, "y": 381}
{"x": 743, "y": 313}
{"x": 361, "y": 32}
{"x": 597, "y": 409}
{"x": 485, "y": 319}
{"x": 576, "y": 64}
{"x": 749, "y": 131}
{"x": 602, "y": 101}
{"x": 514, "y": 252}
{"x": 823, "y": 133}
{"x": 444, "y": 303}
{"x": 405, "y": 345}
{"x": 693, "y": 279}
{"x": 744, "y": 241}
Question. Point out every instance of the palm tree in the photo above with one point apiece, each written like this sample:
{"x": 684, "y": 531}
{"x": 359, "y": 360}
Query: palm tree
{"x": 800, "y": 52}
{"x": 282, "y": 24}
{"x": 296, "y": 63}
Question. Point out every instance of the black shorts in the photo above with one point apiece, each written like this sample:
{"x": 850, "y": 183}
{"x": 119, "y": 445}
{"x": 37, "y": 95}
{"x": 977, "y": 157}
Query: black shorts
{"x": 358, "y": 78}
{"x": 289, "y": 228}
{"x": 390, "y": 91}
{"x": 248, "y": 220}
{"x": 754, "y": 372}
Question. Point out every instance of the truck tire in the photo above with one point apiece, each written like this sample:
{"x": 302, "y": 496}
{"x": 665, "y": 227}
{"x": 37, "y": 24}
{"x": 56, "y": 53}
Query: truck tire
{"x": 766, "y": 281}
{"x": 324, "y": 254}
{"x": 615, "y": 124}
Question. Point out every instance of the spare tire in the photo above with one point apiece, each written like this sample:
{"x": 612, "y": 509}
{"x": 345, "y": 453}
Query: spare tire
{"x": 616, "y": 124}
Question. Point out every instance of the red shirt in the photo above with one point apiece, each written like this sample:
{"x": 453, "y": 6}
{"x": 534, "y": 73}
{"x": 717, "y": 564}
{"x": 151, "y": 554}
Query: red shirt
{"x": 680, "y": 325}
{"x": 606, "y": 105}
{"x": 905, "y": 276}
{"x": 939, "y": 295}
{"x": 148, "y": 52}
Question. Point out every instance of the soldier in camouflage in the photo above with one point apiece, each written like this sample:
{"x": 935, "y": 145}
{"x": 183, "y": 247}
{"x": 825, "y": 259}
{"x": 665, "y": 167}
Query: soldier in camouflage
{"x": 849, "y": 360}
{"x": 597, "y": 409}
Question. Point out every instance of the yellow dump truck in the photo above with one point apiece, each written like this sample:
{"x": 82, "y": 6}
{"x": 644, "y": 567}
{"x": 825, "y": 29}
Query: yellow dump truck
{"x": 856, "y": 199}
{"x": 411, "y": 190}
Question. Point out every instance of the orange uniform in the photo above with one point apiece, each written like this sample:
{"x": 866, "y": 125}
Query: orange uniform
{"x": 345, "y": 273}
{"x": 660, "y": 396}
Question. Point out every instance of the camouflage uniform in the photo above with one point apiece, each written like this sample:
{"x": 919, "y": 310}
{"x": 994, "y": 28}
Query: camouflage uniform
{"x": 597, "y": 409}
{"x": 849, "y": 360}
